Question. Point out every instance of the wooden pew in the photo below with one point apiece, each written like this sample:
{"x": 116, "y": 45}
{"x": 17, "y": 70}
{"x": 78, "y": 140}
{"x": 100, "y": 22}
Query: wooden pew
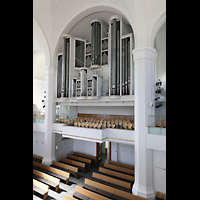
{"x": 84, "y": 194}
{"x": 84, "y": 160}
{"x": 94, "y": 158}
{"x": 53, "y": 171}
{"x": 40, "y": 188}
{"x": 47, "y": 179}
{"x": 120, "y": 169}
{"x": 121, "y": 164}
{"x": 80, "y": 165}
{"x": 122, "y": 185}
{"x": 160, "y": 196}
{"x": 37, "y": 158}
{"x": 117, "y": 174}
{"x": 67, "y": 197}
{"x": 105, "y": 190}
{"x": 70, "y": 169}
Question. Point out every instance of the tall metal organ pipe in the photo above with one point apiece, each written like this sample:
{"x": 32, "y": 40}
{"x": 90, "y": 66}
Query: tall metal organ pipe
{"x": 96, "y": 42}
{"x": 65, "y": 69}
{"x": 126, "y": 66}
{"x": 115, "y": 57}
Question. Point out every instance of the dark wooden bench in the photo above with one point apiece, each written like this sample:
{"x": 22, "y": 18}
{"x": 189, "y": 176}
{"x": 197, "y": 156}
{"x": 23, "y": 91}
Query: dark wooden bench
{"x": 109, "y": 191}
{"x": 116, "y": 174}
{"x": 40, "y": 188}
{"x": 37, "y": 158}
{"x": 67, "y": 197}
{"x": 74, "y": 163}
{"x": 83, "y": 155}
{"x": 119, "y": 169}
{"x": 80, "y": 159}
{"x": 113, "y": 182}
{"x": 121, "y": 164}
{"x": 47, "y": 179}
{"x": 68, "y": 168}
{"x": 52, "y": 171}
{"x": 84, "y": 194}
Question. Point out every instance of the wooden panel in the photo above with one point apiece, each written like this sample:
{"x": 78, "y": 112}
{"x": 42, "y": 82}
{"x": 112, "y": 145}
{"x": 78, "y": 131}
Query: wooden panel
{"x": 121, "y": 169}
{"x": 79, "y": 158}
{"x": 99, "y": 185}
{"x": 117, "y": 174}
{"x": 101, "y": 116}
{"x": 112, "y": 190}
{"x": 46, "y": 176}
{"x": 111, "y": 180}
{"x": 121, "y": 164}
{"x": 90, "y": 194}
{"x": 40, "y": 185}
{"x": 65, "y": 166}
{"x": 85, "y": 155}
{"x": 51, "y": 169}
{"x": 73, "y": 162}
{"x": 67, "y": 197}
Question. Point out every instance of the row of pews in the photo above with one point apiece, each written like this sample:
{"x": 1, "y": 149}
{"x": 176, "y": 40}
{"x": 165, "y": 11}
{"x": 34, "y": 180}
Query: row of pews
{"x": 45, "y": 176}
{"x": 113, "y": 181}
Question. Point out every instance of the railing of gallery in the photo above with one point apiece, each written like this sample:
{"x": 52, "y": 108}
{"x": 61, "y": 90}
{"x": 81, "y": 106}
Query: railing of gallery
{"x": 38, "y": 117}
{"x": 157, "y": 125}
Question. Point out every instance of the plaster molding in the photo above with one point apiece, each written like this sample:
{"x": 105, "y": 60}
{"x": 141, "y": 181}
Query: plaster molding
{"x": 144, "y": 53}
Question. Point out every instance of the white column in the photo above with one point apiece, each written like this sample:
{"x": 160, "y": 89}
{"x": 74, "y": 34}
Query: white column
{"x": 144, "y": 73}
{"x": 49, "y": 136}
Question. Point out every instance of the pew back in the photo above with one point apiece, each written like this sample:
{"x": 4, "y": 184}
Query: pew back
{"x": 85, "y": 160}
{"x": 121, "y": 164}
{"x": 121, "y": 169}
{"x": 73, "y": 162}
{"x": 112, "y": 180}
{"x": 89, "y": 194}
{"x": 117, "y": 174}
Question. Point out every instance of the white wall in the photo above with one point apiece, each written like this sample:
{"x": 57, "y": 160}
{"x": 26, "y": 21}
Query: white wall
{"x": 64, "y": 147}
{"x": 38, "y": 93}
{"x": 112, "y": 110}
{"x": 84, "y": 147}
{"x": 159, "y": 170}
{"x": 123, "y": 153}
{"x": 38, "y": 143}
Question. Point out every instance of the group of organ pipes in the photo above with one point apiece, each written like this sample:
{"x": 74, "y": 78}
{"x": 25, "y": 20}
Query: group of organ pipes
{"x": 72, "y": 67}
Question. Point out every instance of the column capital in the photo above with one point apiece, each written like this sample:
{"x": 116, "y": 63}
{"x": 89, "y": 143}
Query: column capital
{"x": 144, "y": 53}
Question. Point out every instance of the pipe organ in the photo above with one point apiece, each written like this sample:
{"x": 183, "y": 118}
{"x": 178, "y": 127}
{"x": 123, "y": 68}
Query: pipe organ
{"x": 102, "y": 66}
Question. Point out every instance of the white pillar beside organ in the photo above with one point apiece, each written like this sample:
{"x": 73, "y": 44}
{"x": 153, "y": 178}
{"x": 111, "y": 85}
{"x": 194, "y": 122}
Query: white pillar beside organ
{"x": 49, "y": 136}
{"x": 144, "y": 80}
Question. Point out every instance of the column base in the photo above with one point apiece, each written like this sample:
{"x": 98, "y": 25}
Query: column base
{"x": 143, "y": 191}
{"x": 47, "y": 161}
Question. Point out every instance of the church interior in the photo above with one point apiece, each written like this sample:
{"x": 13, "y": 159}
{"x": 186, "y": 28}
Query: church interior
{"x": 99, "y": 99}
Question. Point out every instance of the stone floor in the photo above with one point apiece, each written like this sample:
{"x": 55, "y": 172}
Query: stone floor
{"x": 70, "y": 188}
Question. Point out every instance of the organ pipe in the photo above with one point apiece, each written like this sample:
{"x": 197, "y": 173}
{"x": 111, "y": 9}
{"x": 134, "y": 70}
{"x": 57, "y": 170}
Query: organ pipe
{"x": 115, "y": 57}
{"x": 65, "y": 69}
{"x": 96, "y": 42}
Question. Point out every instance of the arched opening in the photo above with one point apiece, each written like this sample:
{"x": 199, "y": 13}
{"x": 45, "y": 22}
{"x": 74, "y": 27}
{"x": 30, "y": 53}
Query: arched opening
{"x": 160, "y": 73}
{"x": 41, "y": 59}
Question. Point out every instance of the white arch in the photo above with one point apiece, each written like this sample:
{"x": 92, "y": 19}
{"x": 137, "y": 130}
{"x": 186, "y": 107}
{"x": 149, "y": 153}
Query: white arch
{"x": 41, "y": 42}
{"x": 161, "y": 20}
